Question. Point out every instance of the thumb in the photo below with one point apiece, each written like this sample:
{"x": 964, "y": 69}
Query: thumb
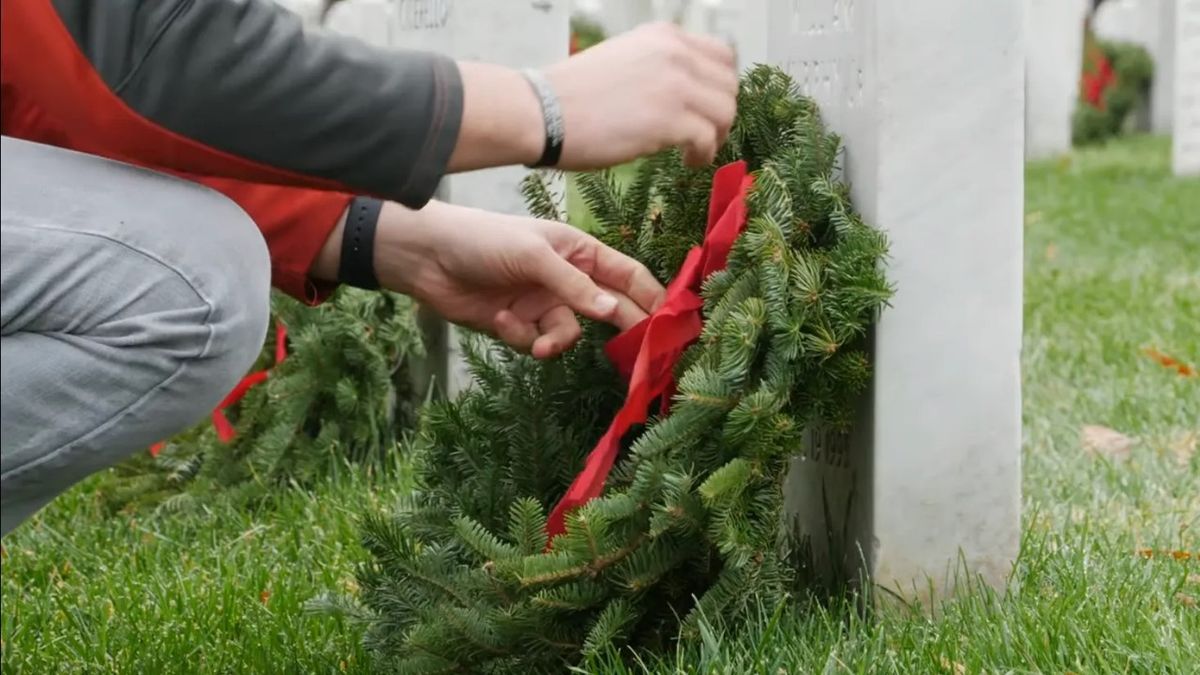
{"x": 574, "y": 287}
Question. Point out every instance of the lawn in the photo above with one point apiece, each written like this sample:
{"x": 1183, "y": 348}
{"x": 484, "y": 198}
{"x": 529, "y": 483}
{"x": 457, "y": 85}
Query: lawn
{"x": 1112, "y": 269}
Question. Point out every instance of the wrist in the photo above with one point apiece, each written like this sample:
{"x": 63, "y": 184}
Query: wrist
{"x": 502, "y": 121}
{"x": 406, "y": 247}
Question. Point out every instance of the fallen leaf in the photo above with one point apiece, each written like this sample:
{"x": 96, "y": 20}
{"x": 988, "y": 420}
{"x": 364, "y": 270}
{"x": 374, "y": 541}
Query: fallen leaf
{"x": 1170, "y": 362}
{"x": 1183, "y": 447}
{"x": 953, "y": 666}
{"x": 1149, "y": 553}
{"x": 1185, "y": 599}
{"x": 1052, "y": 252}
{"x": 265, "y": 596}
{"x": 1104, "y": 442}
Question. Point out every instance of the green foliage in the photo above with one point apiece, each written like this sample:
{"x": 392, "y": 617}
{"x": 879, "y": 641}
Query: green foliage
{"x": 1133, "y": 69}
{"x": 587, "y": 33}
{"x": 689, "y": 524}
{"x": 342, "y": 396}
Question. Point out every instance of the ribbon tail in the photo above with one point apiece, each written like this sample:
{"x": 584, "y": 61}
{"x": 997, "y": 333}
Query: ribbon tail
{"x": 280, "y": 342}
{"x": 588, "y": 484}
{"x": 225, "y": 430}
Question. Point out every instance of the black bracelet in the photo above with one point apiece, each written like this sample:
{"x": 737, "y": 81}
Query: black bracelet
{"x": 551, "y": 119}
{"x": 357, "y": 267}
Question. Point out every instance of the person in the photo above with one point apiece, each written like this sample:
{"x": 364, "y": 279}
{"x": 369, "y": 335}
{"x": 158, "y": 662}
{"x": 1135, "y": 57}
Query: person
{"x": 166, "y": 162}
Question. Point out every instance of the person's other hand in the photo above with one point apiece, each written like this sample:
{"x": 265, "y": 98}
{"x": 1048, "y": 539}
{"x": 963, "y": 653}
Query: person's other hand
{"x": 640, "y": 92}
{"x": 520, "y": 279}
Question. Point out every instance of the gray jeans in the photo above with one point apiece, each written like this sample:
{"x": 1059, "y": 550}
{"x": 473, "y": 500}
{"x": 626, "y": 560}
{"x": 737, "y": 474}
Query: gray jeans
{"x": 132, "y": 303}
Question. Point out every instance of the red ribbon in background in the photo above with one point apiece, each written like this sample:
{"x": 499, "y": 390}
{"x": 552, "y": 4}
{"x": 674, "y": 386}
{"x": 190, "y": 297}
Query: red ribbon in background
{"x": 646, "y": 354}
{"x": 221, "y": 423}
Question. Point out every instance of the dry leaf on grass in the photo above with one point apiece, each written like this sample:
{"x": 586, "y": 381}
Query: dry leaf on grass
{"x": 953, "y": 666}
{"x": 1101, "y": 441}
{"x": 1183, "y": 447}
{"x": 1177, "y": 554}
{"x": 1170, "y": 362}
{"x": 1185, "y": 599}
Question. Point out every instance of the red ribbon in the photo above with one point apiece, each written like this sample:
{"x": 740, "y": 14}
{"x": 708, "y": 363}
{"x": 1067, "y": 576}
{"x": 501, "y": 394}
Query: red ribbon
{"x": 220, "y": 422}
{"x": 646, "y": 354}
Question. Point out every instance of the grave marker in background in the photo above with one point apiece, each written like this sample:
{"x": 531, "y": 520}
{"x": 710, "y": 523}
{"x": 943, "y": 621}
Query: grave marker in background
{"x": 1186, "y": 147}
{"x": 1054, "y": 61}
{"x": 309, "y": 11}
{"x": 929, "y": 97}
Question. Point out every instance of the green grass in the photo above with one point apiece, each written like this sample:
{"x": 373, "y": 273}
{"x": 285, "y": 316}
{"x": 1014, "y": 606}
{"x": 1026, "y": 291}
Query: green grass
{"x": 220, "y": 591}
{"x": 1112, "y": 266}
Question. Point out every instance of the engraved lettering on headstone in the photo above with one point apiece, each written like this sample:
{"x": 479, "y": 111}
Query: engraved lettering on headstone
{"x": 423, "y": 14}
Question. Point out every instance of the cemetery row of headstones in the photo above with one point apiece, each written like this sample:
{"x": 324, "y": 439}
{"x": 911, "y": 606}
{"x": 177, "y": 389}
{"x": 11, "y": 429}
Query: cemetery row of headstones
{"x": 930, "y": 97}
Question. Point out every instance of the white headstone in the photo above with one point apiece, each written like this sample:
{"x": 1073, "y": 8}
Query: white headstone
{"x": 309, "y": 11}
{"x": 518, "y": 34}
{"x": 928, "y": 96}
{"x": 1053, "y": 64}
{"x": 619, "y": 16}
{"x": 1162, "y": 93}
{"x": 1186, "y": 147}
{"x": 367, "y": 20}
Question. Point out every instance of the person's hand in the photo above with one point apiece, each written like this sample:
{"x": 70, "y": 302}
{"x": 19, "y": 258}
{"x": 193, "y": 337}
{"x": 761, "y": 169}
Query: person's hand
{"x": 520, "y": 279}
{"x": 640, "y": 92}
{"x": 647, "y": 90}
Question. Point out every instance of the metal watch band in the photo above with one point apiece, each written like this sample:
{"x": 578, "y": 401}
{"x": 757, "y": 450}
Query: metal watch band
{"x": 357, "y": 265}
{"x": 551, "y": 116}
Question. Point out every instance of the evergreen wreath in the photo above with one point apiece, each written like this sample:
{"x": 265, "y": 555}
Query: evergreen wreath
{"x": 462, "y": 576}
{"x": 1116, "y": 81}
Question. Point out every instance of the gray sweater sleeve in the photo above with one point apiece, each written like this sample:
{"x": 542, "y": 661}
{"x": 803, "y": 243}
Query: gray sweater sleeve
{"x": 245, "y": 78}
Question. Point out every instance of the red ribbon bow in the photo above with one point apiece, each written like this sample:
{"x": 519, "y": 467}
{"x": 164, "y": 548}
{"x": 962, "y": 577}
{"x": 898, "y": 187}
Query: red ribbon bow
{"x": 646, "y": 354}
{"x": 221, "y": 423}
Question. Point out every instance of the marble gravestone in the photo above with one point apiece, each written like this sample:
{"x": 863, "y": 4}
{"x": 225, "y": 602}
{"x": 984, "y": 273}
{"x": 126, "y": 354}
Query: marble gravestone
{"x": 309, "y": 11}
{"x": 928, "y": 96}
{"x": 1053, "y": 63}
{"x": 1186, "y": 143}
{"x": 473, "y": 30}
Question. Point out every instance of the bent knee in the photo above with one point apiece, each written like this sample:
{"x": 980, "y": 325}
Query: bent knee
{"x": 229, "y": 267}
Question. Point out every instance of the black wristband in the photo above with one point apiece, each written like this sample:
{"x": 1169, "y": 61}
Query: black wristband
{"x": 551, "y": 119}
{"x": 357, "y": 266}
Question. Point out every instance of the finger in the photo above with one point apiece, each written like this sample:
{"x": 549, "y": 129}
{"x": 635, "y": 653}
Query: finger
{"x": 533, "y": 305}
{"x": 560, "y": 331}
{"x": 518, "y": 334}
{"x": 628, "y": 277}
{"x": 628, "y": 313}
{"x": 697, "y": 139}
{"x": 575, "y": 288}
{"x": 715, "y": 95}
{"x": 712, "y": 47}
